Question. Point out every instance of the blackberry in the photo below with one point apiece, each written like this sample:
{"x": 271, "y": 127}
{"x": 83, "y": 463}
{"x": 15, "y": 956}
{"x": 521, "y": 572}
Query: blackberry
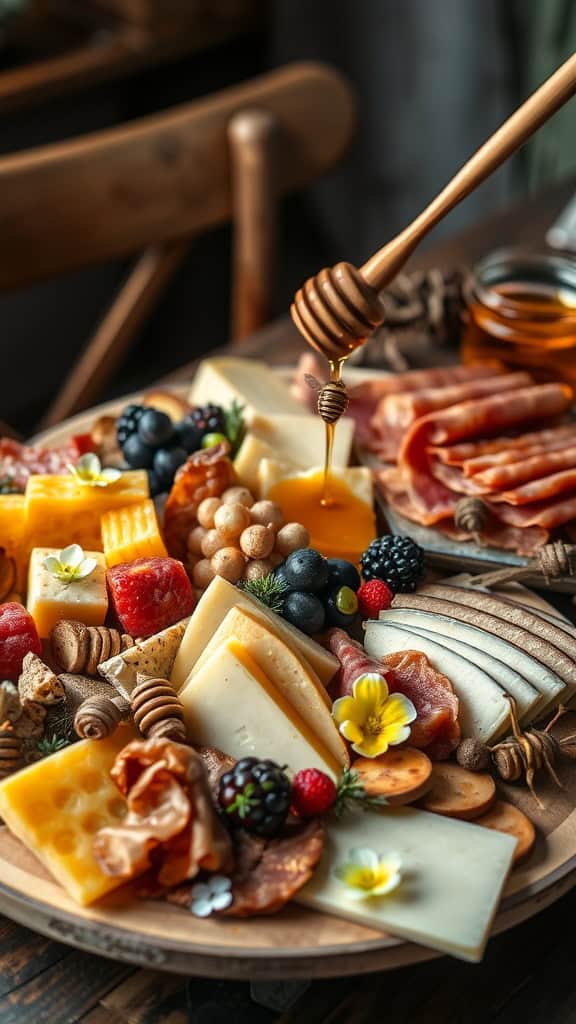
{"x": 208, "y": 419}
{"x": 399, "y": 561}
{"x": 256, "y": 795}
{"x": 127, "y": 422}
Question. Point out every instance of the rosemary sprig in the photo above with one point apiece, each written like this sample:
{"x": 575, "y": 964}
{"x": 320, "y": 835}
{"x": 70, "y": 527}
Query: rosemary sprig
{"x": 51, "y": 744}
{"x": 269, "y": 590}
{"x": 234, "y": 426}
{"x": 351, "y": 793}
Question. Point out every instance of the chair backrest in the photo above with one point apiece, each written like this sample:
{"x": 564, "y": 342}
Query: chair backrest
{"x": 162, "y": 178}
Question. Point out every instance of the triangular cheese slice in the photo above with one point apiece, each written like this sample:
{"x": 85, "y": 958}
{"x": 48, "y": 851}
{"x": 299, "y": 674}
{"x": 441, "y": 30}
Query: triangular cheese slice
{"x": 153, "y": 657}
{"x": 232, "y": 704}
{"x": 290, "y": 674}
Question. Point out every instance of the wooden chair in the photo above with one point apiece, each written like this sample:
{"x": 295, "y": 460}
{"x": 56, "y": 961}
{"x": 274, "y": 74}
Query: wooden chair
{"x": 150, "y": 186}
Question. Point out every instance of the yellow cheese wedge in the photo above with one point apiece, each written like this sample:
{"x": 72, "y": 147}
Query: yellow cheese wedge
{"x": 13, "y": 532}
{"x": 49, "y": 599}
{"x": 61, "y": 511}
{"x": 214, "y": 605}
{"x": 131, "y": 532}
{"x": 291, "y": 675}
{"x": 232, "y": 704}
{"x": 56, "y": 806}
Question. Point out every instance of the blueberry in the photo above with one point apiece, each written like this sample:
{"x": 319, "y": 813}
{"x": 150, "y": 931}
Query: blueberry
{"x": 306, "y": 569}
{"x": 280, "y": 574}
{"x": 138, "y": 455}
{"x": 305, "y": 611}
{"x": 166, "y": 462}
{"x": 341, "y": 606}
{"x": 342, "y": 574}
{"x": 155, "y": 428}
{"x": 189, "y": 434}
{"x": 154, "y": 483}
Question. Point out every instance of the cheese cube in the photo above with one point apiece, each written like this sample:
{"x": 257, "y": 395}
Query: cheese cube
{"x": 250, "y": 382}
{"x": 214, "y": 605}
{"x": 13, "y": 532}
{"x": 49, "y": 599}
{"x": 231, "y": 704}
{"x": 131, "y": 532}
{"x": 61, "y": 511}
{"x": 453, "y": 875}
{"x": 56, "y": 806}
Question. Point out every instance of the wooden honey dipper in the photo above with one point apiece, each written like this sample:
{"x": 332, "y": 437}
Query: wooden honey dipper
{"x": 340, "y": 307}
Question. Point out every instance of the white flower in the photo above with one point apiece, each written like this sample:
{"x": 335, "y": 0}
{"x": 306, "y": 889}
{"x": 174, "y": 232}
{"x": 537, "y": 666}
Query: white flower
{"x": 368, "y": 874}
{"x": 70, "y": 564}
{"x": 88, "y": 472}
{"x": 207, "y": 897}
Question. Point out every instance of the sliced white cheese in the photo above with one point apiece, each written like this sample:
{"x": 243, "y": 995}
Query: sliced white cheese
{"x": 358, "y": 478}
{"x": 255, "y": 385}
{"x": 231, "y": 704}
{"x": 453, "y": 876}
{"x": 527, "y": 697}
{"x": 484, "y": 708}
{"x": 302, "y": 439}
{"x": 214, "y": 605}
{"x": 248, "y": 459}
{"x": 153, "y": 657}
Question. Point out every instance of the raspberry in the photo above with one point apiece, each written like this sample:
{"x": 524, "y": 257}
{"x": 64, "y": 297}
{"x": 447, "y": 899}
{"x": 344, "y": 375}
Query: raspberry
{"x": 18, "y": 636}
{"x": 313, "y": 793}
{"x": 149, "y": 594}
{"x": 373, "y": 597}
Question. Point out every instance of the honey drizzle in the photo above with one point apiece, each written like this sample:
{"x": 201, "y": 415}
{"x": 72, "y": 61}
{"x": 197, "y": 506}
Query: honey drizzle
{"x": 327, "y": 500}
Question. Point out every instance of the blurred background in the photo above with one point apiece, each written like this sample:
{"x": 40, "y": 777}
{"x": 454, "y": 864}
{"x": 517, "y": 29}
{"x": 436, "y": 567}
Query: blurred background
{"x": 432, "y": 80}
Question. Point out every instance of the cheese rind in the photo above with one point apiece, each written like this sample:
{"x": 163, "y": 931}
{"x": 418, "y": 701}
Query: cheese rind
{"x": 49, "y": 599}
{"x": 453, "y": 875}
{"x": 153, "y": 657}
{"x": 291, "y": 675}
{"x": 56, "y": 806}
{"x": 225, "y": 379}
{"x": 215, "y": 603}
{"x": 231, "y": 704}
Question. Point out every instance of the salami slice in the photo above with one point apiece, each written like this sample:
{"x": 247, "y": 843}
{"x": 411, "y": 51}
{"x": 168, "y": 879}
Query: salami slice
{"x": 546, "y": 514}
{"x": 499, "y": 450}
{"x": 530, "y": 467}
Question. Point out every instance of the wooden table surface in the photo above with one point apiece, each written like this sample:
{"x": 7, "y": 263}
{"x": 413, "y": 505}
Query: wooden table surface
{"x": 527, "y": 974}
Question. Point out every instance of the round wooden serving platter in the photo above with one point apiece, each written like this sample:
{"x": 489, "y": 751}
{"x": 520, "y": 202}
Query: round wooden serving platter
{"x": 296, "y": 943}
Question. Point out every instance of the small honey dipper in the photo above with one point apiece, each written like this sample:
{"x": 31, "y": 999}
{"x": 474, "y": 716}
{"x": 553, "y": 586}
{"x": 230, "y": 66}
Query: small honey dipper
{"x": 340, "y": 307}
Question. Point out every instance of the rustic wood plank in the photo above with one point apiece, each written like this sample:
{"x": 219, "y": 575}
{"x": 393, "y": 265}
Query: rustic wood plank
{"x": 23, "y": 955}
{"x": 148, "y": 997}
{"x": 101, "y": 1015}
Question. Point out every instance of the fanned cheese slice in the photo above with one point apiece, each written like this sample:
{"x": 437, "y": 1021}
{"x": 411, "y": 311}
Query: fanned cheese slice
{"x": 153, "y": 657}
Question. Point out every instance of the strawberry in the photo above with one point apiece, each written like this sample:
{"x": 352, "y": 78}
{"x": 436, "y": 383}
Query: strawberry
{"x": 149, "y": 594}
{"x": 18, "y": 636}
{"x": 373, "y": 597}
{"x": 313, "y": 793}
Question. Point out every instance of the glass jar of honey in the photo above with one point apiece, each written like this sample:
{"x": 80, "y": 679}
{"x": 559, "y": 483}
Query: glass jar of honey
{"x": 521, "y": 314}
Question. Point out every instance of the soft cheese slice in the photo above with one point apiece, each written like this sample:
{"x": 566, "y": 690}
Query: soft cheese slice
{"x": 302, "y": 439}
{"x": 358, "y": 478}
{"x": 454, "y": 873}
{"x": 232, "y": 704}
{"x": 484, "y": 708}
{"x": 214, "y": 605}
{"x": 527, "y": 697}
{"x": 56, "y": 806}
{"x": 153, "y": 657}
{"x": 49, "y": 599}
{"x": 291, "y": 675}
{"x": 259, "y": 389}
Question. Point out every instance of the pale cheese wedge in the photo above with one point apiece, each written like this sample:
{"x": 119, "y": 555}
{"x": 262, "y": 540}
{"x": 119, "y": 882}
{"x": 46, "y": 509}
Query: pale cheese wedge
{"x": 232, "y": 704}
{"x": 302, "y": 439}
{"x": 214, "y": 605}
{"x": 290, "y": 674}
{"x": 224, "y": 379}
{"x": 153, "y": 657}
{"x": 247, "y": 461}
{"x": 484, "y": 711}
{"x": 358, "y": 478}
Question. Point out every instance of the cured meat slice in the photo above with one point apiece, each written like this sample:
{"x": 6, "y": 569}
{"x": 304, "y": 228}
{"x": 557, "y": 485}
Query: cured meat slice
{"x": 19, "y": 461}
{"x": 476, "y": 417}
{"x": 436, "y": 729}
{"x": 496, "y": 447}
{"x": 397, "y": 412}
{"x": 538, "y": 490}
{"x": 544, "y": 514}
{"x": 529, "y": 467}
{"x": 453, "y": 478}
{"x": 473, "y": 467}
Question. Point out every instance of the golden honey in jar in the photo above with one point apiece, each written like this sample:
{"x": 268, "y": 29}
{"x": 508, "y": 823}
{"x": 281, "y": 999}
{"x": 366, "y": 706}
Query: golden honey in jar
{"x": 521, "y": 314}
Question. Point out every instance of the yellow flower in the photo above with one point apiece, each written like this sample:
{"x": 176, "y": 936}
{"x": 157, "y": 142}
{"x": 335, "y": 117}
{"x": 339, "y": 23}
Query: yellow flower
{"x": 371, "y": 719}
{"x": 370, "y": 874}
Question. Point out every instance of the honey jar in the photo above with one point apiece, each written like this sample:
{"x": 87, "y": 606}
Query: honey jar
{"x": 521, "y": 314}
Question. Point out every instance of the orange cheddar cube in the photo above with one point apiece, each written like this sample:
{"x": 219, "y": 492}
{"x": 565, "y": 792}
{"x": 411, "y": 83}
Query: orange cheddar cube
{"x": 56, "y": 806}
{"x": 13, "y": 532}
{"x": 61, "y": 511}
{"x": 131, "y": 532}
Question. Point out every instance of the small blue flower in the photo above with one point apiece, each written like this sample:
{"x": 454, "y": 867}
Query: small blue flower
{"x": 207, "y": 897}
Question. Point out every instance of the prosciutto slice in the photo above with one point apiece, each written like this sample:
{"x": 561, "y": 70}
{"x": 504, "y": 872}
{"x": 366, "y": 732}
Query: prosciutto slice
{"x": 545, "y": 514}
{"x": 501, "y": 449}
{"x": 396, "y": 413}
{"x": 538, "y": 490}
{"x": 436, "y": 728}
{"x": 434, "y": 500}
{"x": 530, "y": 467}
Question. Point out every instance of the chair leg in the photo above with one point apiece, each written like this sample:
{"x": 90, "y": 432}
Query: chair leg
{"x": 251, "y": 136}
{"x": 117, "y": 330}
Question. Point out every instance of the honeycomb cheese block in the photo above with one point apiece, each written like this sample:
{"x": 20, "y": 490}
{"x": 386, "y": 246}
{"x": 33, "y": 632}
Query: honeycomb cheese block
{"x": 56, "y": 806}
{"x": 131, "y": 532}
{"x": 60, "y": 511}
{"x": 216, "y": 601}
{"x": 49, "y": 599}
{"x": 231, "y": 704}
{"x": 292, "y": 676}
{"x": 252, "y": 383}
{"x": 13, "y": 532}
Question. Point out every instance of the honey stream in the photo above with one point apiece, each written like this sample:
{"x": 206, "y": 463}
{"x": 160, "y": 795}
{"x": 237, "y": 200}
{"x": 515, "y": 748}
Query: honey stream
{"x": 327, "y": 499}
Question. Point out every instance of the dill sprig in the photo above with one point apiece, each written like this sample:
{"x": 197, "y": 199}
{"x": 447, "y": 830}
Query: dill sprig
{"x": 269, "y": 590}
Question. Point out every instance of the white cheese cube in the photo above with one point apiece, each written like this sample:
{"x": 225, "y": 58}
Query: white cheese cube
{"x": 50, "y": 599}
